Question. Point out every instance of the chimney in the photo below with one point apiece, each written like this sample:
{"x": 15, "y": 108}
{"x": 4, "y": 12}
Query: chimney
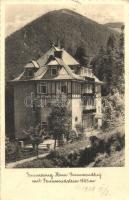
{"x": 58, "y": 44}
{"x": 58, "y": 54}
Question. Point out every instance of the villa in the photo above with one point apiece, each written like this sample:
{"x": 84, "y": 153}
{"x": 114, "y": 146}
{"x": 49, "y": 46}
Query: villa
{"x": 56, "y": 75}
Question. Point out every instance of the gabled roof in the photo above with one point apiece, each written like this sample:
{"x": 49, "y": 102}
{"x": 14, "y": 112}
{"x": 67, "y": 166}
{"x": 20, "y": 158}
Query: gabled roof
{"x": 54, "y": 57}
{"x": 66, "y": 57}
{"x": 39, "y": 75}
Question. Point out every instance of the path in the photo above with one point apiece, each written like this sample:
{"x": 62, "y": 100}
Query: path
{"x": 41, "y": 146}
{"x": 13, "y": 164}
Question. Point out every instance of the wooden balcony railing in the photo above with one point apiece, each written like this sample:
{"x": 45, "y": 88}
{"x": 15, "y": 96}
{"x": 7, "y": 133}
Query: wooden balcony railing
{"x": 89, "y": 107}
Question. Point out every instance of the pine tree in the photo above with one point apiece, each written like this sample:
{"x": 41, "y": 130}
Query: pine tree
{"x": 81, "y": 56}
{"x": 118, "y": 63}
{"x": 108, "y": 64}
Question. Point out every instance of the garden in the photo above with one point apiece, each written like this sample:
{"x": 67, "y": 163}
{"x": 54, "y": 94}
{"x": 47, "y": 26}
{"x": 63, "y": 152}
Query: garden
{"x": 104, "y": 150}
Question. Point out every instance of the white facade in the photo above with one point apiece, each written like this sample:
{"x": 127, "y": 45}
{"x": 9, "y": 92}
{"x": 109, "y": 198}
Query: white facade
{"x": 76, "y": 112}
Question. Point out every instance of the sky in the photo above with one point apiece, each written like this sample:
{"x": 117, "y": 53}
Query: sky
{"x": 17, "y": 16}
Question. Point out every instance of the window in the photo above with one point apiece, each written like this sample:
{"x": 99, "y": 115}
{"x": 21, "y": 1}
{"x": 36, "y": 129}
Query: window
{"x": 88, "y": 88}
{"x": 69, "y": 87}
{"x": 53, "y": 71}
{"x": 88, "y": 101}
{"x": 85, "y": 101}
{"x": 42, "y": 88}
{"x": 33, "y": 106}
{"x": 29, "y": 73}
{"x": 92, "y": 102}
{"x": 63, "y": 88}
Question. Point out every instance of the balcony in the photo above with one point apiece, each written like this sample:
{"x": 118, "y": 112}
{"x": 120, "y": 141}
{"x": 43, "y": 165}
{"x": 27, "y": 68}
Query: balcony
{"x": 86, "y": 72}
{"x": 87, "y": 89}
{"x": 89, "y": 107}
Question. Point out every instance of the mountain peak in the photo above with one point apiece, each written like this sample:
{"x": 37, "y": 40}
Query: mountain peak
{"x": 71, "y": 28}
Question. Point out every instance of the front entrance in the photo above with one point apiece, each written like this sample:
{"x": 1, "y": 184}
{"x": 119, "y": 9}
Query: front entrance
{"x": 88, "y": 121}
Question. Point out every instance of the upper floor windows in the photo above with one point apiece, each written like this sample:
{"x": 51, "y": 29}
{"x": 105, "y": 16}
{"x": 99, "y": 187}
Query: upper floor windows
{"x": 86, "y": 72}
{"x": 52, "y": 88}
{"x": 42, "y": 88}
{"x": 29, "y": 73}
{"x": 87, "y": 88}
{"x": 53, "y": 71}
{"x": 59, "y": 87}
{"x": 63, "y": 88}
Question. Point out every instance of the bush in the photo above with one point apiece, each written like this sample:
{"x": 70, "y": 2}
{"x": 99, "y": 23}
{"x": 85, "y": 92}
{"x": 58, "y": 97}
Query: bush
{"x": 113, "y": 110}
{"x": 12, "y": 150}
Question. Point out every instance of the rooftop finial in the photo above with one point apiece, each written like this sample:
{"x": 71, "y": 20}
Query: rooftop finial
{"x": 58, "y": 44}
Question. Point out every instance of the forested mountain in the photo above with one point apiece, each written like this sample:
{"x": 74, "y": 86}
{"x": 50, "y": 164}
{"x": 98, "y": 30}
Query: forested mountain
{"x": 71, "y": 28}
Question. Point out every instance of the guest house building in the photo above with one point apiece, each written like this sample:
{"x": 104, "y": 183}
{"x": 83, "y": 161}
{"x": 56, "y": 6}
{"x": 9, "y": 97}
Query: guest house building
{"x": 56, "y": 78}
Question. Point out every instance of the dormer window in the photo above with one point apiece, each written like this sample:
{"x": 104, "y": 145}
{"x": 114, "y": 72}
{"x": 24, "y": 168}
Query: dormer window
{"x": 29, "y": 73}
{"x": 53, "y": 71}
